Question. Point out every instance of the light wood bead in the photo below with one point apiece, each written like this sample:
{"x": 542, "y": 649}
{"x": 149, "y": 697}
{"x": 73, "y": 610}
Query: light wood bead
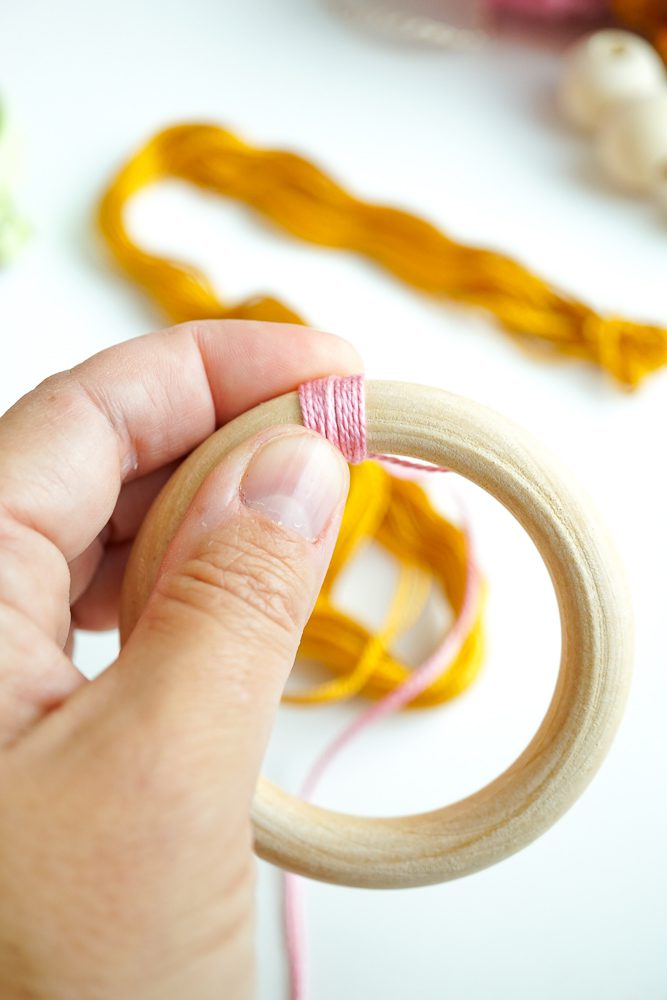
{"x": 632, "y": 142}
{"x": 605, "y": 70}
{"x": 524, "y": 801}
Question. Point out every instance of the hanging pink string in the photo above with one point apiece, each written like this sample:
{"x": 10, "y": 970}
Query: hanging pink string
{"x": 335, "y": 407}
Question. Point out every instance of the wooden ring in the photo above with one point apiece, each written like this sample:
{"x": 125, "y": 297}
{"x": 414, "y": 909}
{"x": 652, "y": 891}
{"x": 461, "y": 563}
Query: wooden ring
{"x": 524, "y": 801}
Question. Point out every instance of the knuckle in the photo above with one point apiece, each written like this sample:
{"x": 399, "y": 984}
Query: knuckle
{"x": 60, "y": 395}
{"x": 250, "y": 578}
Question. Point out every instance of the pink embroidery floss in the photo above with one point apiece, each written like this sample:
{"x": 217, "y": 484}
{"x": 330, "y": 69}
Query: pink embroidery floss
{"x": 335, "y": 408}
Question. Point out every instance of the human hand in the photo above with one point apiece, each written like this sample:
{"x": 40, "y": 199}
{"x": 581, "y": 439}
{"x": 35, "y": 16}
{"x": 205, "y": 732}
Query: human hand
{"x": 126, "y": 864}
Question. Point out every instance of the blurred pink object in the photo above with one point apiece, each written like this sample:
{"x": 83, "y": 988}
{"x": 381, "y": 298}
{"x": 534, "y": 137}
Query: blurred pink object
{"x": 552, "y": 10}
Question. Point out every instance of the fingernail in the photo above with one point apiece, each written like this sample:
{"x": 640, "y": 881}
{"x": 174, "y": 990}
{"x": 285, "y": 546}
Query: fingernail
{"x": 297, "y": 481}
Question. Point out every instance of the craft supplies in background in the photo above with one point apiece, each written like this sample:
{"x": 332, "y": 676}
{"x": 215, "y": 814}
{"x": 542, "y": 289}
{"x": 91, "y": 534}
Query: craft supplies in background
{"x": 462, "y": 26}
{"x": 404, "y": 24}
{"x": 614, "y": 85}
{"x": 613, "y": 82}
{"x": 13, "y": 229}
{"x": 552, "y": 10}
{"x": 604, "y": 71}
{"x": 304, "y": 201}
{"x": 632, "y": 144}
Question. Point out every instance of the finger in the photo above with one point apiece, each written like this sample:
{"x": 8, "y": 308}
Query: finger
{"x": 37, "y": 675}
{"x": 84, "y": 568}
{"x": 131, "y": 508}
{"x": 137, "y": 406}
{"x": 66, "y": 447}
{"x": 97, "y": 608}
{"x": 201, "y": 676}
{"x": 133, "y": 502}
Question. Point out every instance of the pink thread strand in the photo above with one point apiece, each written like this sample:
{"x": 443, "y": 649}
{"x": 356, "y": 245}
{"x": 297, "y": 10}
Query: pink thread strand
{"x": 335, "y": 407}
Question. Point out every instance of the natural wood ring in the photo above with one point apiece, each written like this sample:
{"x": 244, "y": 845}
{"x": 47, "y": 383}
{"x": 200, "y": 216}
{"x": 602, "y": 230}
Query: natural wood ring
{"x": 535, "y": 791}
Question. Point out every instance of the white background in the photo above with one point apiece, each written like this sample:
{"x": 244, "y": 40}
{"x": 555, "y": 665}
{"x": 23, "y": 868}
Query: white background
{"x": 473, "y": 143}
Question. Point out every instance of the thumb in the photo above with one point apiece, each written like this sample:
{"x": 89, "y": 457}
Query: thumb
{"x": 209, "y": 657}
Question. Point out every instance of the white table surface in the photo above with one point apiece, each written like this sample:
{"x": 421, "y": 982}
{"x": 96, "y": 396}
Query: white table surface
{"x": 473, "y": 143}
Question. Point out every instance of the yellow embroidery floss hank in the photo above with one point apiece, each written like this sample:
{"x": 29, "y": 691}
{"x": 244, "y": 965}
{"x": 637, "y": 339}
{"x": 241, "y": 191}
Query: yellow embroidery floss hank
{"x": 301, "y": 199}
{"x": 394, "y": 512}
{"x": 329, "y": 625}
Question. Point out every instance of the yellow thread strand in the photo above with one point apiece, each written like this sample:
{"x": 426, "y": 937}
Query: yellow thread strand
{"x": 408, "y": 602}
{"x": 302, "y": 200}
{"x": 406, "y": 525}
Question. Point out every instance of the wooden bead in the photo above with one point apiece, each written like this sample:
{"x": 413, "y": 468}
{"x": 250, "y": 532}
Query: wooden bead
{"x": 596, "y": 651}
{"x": 632, "y": 142}
{"x": 605, "y": 70}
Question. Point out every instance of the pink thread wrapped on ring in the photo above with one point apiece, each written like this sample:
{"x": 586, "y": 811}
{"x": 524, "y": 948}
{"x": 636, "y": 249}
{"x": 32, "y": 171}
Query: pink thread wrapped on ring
{"x": 335, "y": 407}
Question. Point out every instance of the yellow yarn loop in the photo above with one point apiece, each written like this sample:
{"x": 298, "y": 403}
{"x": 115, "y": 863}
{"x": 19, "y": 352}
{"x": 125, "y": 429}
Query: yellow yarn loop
{"x": 299, "y": 198}
{"x": 395, "y": 513}
{"x": 325, "y": 640}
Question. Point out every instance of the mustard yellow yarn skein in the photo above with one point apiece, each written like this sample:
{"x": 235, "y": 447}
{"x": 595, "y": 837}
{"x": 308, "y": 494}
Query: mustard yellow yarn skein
{"x": 396, "y": 513}
{"x": 301, "y": 199}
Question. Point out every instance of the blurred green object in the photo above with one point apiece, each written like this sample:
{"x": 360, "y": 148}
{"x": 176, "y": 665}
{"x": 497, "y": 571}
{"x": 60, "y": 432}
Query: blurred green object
{"x": 13, "y": 228}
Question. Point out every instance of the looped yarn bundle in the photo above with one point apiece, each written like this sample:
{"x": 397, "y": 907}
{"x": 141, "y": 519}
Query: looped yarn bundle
{"x": 394, "y": 513}
{"x": 304, "y": 201}
{"x": 397, "y": 515}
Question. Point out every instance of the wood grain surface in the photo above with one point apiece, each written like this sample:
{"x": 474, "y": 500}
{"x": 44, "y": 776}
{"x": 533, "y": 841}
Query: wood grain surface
{"x": 510, "y": 812}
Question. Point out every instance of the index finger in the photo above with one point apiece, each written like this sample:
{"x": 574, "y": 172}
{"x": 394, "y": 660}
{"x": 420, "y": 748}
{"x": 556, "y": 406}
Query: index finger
{"x": 67, "y": 447}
